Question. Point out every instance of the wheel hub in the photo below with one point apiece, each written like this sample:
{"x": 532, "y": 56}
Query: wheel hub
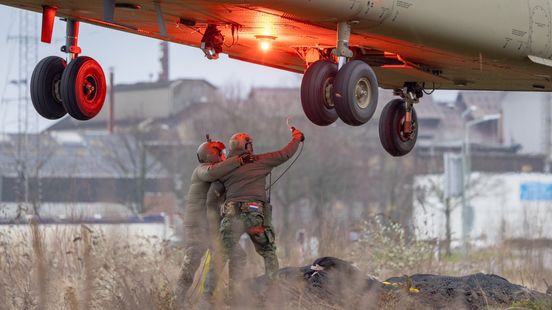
{"x": 328, "y": 93}
{"x": 56, "y": 89}
{"x": 362, "y": 93}
{"x": 404, "y": 135}
{"x": 89, "y": 87}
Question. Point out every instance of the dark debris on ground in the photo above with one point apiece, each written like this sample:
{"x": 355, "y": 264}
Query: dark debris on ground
{"x": 332, "y": 283}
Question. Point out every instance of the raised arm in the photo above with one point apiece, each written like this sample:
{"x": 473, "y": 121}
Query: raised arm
{"x": 279, "y": 157}
{"x": 213, "y": 172}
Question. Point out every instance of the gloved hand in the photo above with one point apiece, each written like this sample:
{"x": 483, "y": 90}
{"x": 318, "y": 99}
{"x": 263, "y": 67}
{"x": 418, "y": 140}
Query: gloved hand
{"x": 247, "y": 158}
{"x": 297, "y": 135}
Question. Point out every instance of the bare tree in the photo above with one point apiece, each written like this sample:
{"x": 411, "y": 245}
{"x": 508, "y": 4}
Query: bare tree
{"x": 29, "y": 160}
{"x": 433, "y": 187}
{"x": 128, "y": 155}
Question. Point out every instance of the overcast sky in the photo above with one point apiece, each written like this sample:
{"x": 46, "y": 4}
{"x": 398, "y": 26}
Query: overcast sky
{"x": 134, "y": 58}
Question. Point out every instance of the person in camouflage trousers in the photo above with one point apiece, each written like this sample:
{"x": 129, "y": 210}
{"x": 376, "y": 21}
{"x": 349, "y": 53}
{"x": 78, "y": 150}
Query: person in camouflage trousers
{"x": 246, "y": 209}
{"x": 196, "y": 220}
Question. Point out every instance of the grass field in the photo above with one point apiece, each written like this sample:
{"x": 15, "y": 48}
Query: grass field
{"x": 85, "y": 268}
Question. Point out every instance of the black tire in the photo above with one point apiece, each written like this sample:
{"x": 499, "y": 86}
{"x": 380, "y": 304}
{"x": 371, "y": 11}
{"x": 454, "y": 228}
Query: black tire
{"x": 353, "y": 76}
{"x": 83, "y": 88}
{"x": 45, "y": 87}
{"x": 390, "y": 124}
{"x": 316, "y": 93}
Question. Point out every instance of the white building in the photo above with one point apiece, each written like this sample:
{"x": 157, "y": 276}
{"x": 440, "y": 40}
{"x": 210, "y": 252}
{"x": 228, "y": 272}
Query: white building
{"x": 526, "y": 121}
{"x": 504, "y": 207}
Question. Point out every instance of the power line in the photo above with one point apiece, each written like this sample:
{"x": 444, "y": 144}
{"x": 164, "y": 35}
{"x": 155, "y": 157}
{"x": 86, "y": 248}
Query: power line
{"x": 27, "y": 50}
{"x": 9, "y": 63}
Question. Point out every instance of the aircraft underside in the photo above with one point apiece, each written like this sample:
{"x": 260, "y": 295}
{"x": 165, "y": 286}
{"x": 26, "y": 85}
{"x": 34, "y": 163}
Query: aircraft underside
{"x": 347, "y": 49}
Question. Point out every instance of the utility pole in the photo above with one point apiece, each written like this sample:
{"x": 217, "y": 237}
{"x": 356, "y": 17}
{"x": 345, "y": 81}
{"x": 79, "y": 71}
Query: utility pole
{"x": 111, "y": 116}
{"x": 27, "y": 43}
{"x": 467, "y": 168}
{"x": 548, "y": 132}
{"x": 453, "y": 188}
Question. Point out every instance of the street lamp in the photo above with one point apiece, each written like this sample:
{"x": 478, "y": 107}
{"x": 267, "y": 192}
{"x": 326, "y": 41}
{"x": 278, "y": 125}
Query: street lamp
{"x": 470, "y": 124}
{"x": 466, "y": 153}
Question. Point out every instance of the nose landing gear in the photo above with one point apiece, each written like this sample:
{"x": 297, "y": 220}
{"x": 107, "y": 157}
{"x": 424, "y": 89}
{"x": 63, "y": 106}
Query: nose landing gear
{"x": 78, "y": 88}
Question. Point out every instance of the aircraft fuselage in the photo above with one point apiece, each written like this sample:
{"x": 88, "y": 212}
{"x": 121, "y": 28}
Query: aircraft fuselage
{"x": 501, "y": 29}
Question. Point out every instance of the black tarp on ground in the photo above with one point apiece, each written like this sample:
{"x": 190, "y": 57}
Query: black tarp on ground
{"x": 332, "y": 283}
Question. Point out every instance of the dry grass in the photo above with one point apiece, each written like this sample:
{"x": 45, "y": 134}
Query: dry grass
{"x": 85, "y": 269}
{"x": 62, "y": 268}
{"x": 385, "y": 251}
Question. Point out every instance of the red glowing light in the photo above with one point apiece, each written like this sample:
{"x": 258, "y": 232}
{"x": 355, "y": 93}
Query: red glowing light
{"x": 265, "y": 45}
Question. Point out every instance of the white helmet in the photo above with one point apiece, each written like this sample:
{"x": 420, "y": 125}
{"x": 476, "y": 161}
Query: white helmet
{"x": 211, "y": 152}
{"x": 241, "y": 143}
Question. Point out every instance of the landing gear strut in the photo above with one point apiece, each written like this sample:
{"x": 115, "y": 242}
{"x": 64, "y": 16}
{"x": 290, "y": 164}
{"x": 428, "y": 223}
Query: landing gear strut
{"x": 57, "y": 88}
{"x": 398, "y": 127}
{"x": 348, "y": 90}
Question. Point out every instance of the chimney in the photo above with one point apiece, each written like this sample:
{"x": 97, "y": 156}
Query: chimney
{"x": 111, "y": 116}
{"x": 164, "y": 60}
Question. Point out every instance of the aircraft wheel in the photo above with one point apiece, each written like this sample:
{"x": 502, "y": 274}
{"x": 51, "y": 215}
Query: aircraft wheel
{"x": 317, "y": 93}
{"x": 391, "y": 129}
{"x": 83, "y": 88}
{"x": 45, "y": 87}
{"x": 356, "y": 93}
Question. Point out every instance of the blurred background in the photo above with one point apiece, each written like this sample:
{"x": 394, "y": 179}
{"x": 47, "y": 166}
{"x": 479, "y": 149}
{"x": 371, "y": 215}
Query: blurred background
{"x": 474, "y": 195}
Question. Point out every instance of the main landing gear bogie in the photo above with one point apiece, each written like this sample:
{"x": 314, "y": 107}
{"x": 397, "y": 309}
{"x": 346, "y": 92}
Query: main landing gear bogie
{"x": 78, "y": 88}
{"x": 350, "y": 93}
{"x": 348, "y": 89}
{"x": 356, "y": 93}
{"x": 317, "y": 93}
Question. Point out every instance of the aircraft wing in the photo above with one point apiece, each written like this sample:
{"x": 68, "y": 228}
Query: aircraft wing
{"x": 290, "y": 36}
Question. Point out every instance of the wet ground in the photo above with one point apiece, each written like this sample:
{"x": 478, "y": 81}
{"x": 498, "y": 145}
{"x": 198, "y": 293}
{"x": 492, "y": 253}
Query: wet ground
{"x": 332, "y": 283}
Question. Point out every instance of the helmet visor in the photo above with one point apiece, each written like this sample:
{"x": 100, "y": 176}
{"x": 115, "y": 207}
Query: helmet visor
{"x": 221, "y": 151}
{"x": 249, "y": 146}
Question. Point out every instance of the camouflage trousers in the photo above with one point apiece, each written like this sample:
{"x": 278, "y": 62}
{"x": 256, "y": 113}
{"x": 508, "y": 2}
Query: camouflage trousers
{"x": 261, "y": 234}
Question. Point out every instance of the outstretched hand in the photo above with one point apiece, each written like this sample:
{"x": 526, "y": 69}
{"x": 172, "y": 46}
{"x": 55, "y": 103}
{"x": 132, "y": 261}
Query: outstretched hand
{"x": 297, "y": 135}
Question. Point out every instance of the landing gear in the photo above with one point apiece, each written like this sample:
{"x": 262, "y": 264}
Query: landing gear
{"x": 83, "y": 88}
{"x": 346, "y": 89}
{"x": 398, "y": 126}
{"x": 356, "y": 93}
{"x": 45, "y": 87}
{"x": 78, "y": 88}
{"x": 317, "y": 93}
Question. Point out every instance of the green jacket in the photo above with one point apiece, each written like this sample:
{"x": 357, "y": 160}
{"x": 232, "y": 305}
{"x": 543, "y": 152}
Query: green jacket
{"x": 248, "y": 182}
{"x": 215, "y": 198}
{"x": 195, "y": 220}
